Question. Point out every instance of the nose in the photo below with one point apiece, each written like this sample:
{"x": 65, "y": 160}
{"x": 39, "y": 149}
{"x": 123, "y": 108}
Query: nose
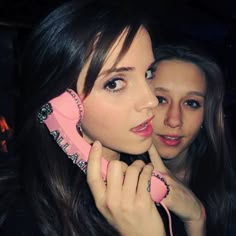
{"x": 146, "y": 98}
{"x": 173, "y": 117}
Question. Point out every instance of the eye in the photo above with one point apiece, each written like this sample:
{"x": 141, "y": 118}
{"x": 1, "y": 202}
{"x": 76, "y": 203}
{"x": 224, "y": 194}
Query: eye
{"x": 193, "y": 104}
{"x": 149, "y": 74}
{"x": 161, "y": 100}
{"x": 115, "y": 84}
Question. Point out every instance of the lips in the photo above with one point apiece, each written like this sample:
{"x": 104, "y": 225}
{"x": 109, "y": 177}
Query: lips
{"x": 170, "y": 140}
{"x": 145, "y": 129}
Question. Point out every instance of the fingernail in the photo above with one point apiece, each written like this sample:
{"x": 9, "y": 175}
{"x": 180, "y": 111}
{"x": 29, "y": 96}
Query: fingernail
{"x": 95, "y": 145}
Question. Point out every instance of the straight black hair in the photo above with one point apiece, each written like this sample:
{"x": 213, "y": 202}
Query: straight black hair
{"x": 41, "y": 176}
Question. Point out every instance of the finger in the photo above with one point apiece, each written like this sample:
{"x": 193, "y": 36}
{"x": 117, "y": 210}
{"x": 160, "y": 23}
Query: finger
{"x": 115, "y": 179}
{"x": 131, "y": 180}
{"x": 144, "y": 185}
{"x": 156, "y": 159}
{"x": 94, "y": 177}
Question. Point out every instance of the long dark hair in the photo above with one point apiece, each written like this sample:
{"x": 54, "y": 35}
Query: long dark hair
{"x": 209, "y": 161}
{"x": 56, "y": 189}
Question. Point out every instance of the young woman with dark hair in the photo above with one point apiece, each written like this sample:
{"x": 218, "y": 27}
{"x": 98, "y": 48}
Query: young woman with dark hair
{"x": 104, "y": 54}
{"x": 189, "y": 135}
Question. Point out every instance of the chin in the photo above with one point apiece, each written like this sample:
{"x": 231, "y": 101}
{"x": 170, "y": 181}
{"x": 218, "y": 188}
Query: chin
{"x": 139, "y": 149}
{"x": 167, "y": 156}
{"x": 167, "y": 153}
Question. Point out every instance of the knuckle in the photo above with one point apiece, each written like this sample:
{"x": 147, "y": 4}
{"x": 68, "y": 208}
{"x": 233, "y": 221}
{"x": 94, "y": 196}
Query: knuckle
{"x": 147, "y": 169}
{"x": 141, "y": 205}
{"x": 115, "y": 164}
{"x": 126, "y": 208}
{"x": 133, "y": 170}
{"x": 136, "y": 166}
{"x": 138, "y": 163}
{"x": 111, "y": 205}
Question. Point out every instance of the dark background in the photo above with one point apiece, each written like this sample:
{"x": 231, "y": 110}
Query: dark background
{"x": 210, "y": 23}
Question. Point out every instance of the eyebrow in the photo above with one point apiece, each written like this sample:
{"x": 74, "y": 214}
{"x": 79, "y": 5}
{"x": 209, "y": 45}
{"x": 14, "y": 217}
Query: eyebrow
{"x": 196, "y": 93}
{"x": 123, "y": 69}
{"x": 120, "y": 69}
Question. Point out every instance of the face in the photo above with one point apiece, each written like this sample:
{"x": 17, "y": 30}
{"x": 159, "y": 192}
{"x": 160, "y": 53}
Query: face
{"x": 119, "y": 109}
{"x": 180, "y": 89}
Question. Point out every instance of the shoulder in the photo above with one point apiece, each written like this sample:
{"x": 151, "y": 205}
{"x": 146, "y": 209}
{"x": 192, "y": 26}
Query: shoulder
{"x": 20, "y": 221}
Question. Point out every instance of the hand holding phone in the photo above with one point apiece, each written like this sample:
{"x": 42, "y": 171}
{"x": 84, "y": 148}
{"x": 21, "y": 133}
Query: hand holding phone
{"x": 62, "y": 116}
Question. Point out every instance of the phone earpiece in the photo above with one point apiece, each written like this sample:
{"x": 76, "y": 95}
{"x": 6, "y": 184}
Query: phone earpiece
{"x": 61, "y": 116}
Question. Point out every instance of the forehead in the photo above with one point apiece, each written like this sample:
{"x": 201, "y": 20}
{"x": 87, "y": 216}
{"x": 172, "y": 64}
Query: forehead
{"x": 175, "y": 73}
{"x": 140, "y": 50}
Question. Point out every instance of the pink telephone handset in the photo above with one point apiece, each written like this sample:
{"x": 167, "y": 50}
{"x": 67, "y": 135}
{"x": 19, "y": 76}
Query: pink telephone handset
{"x": 62, "y": 116}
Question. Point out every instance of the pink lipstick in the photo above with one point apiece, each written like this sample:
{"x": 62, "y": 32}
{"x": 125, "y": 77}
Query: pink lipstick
{"x": 145, "y": 129}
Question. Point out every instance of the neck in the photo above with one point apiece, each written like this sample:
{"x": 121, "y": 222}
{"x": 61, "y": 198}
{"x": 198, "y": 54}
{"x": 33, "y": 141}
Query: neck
{"x": 178, "y": 166}
{"x": 110, "y": 154}
{"x": 107, "y": 153}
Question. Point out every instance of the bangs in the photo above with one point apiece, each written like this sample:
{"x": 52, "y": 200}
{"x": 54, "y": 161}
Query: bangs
{"x": 103, "y": 44}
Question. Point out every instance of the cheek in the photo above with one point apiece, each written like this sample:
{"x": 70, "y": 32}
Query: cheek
{"x": 193, "y": 124}
{"x": 101, "y": 120}
{"x": 159, "y": 119}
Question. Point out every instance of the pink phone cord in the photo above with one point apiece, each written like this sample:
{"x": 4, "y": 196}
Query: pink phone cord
{"x": 169, "y": 218}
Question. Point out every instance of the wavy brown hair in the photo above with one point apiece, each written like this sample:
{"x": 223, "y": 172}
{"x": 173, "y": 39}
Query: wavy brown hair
{"x": 209, "y": 160}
